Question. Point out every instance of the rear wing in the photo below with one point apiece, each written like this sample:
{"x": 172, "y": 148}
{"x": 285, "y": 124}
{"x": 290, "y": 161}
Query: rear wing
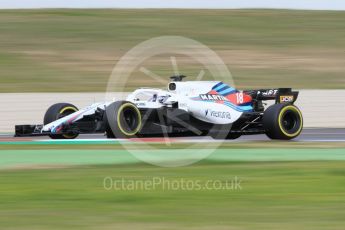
{"x": 280, "y": 95}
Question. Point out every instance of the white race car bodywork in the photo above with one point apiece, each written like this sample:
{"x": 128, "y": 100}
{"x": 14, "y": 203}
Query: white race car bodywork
{"x": 193, "y": 97}
{"x": 191, "y": 108}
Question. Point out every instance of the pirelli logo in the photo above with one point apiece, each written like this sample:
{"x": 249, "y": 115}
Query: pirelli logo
{"x": 284, "y": 99}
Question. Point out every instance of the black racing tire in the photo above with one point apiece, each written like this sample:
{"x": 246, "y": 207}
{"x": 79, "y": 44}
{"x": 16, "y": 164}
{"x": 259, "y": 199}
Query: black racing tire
{"x": 283, "y": 121}
{"x": 56, "y": 112}
{"x": 123, "y": 119}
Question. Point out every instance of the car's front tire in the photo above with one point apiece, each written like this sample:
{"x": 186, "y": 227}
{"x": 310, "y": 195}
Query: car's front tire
{"x": 123, "y": 120}
{"x": 282, "y": 121}
{"x": 56, "y": 112}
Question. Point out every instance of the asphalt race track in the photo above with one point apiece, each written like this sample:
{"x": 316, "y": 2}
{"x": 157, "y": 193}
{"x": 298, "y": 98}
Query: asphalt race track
{"x": 307, "y": 135}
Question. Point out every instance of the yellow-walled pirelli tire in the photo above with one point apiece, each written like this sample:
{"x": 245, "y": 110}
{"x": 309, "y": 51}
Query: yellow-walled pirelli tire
{"x": 283, "y": 121}
{"x": 56, "y": 112}
{"x": 123, "y": 120}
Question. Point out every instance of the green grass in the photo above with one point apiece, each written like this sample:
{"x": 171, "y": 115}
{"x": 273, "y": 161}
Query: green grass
{"x": 69, "y": 157}
{"x": 75, "y": 50}
{"x": 275, "y": 195}
{"x": 60, "y": 156}
{"x": 299, "y": 188}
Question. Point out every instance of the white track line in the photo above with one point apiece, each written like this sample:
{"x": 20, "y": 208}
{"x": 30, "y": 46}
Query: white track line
{"x": 82, "y": 140}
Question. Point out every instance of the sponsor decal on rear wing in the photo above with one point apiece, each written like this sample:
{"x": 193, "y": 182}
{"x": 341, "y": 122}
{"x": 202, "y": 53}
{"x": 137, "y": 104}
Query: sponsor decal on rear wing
{"x": 280, "y": 95}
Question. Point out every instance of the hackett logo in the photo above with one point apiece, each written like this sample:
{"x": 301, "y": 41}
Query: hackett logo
{"x": 213, "y": 97}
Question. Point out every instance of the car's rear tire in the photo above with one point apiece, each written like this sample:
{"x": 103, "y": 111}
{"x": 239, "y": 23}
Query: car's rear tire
{"x": 282, "y": 121}
{"x": 56, "y": 112}
{"x": 123, "y": 120}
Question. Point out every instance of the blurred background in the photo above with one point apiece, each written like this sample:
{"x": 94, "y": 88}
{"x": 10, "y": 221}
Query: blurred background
{"x": 74, "y": 50}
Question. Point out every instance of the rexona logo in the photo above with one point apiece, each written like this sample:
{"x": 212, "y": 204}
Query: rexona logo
{"x": 269, "y": 92}
{"x": 218, "y": 114}
{"x": 213, "y": 97}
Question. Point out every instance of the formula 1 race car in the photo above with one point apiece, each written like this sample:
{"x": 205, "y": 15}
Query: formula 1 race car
{"x": 185, "y": 108}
